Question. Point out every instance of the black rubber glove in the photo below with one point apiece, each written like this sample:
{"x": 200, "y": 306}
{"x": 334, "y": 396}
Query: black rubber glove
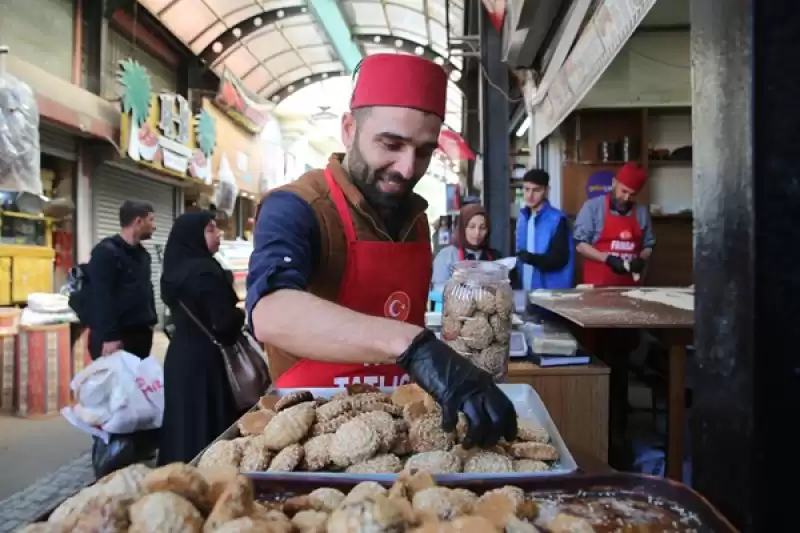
{"x": 458, "y": 385}
{"x": 637, "y": 265}
{"x": 526, "y": 257}
{"x": 617, "y": 264}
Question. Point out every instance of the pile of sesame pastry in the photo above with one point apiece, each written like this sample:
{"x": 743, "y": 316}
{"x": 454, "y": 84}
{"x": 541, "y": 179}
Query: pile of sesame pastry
{"x": 365, "y": 431}
{"x": 180, "y": 498}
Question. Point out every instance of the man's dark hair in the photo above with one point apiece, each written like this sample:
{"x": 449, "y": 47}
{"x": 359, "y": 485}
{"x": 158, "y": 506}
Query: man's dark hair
{"x": 130, "y": 210}
{"x": 361, "y": 113}
{"x": 537, "y": 176}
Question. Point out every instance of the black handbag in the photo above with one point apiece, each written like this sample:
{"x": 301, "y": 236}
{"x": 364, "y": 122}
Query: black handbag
{"x": 245, "y": 365}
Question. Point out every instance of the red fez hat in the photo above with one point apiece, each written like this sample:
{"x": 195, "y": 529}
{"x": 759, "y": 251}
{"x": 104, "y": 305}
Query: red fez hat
{"x": 400, "y": 80}
{"x": 632, "y": 175}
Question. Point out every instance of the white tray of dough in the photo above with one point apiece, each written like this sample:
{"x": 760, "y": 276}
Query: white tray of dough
{"x": 546, "y": 339}
{"x": 532, "y": 414}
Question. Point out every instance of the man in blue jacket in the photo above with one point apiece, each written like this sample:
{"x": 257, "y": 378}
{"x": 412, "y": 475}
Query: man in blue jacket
{"x": 544, "y": 240}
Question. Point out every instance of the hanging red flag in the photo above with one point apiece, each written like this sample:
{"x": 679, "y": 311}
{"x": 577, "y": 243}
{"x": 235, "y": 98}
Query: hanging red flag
{"x": 497, "y": 12}
{"x": 454, "y": 146}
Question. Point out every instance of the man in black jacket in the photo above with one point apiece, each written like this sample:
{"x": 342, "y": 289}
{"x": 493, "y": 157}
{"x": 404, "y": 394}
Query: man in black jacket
{"x": 122, "y": 303}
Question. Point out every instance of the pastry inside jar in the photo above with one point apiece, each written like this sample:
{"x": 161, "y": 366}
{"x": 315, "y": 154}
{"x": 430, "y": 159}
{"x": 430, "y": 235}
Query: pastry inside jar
{"x": 476, "y": 323}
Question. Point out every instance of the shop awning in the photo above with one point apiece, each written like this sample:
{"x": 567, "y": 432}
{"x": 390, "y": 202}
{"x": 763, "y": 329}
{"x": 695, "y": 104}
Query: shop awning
{"x": 605, "y": 31}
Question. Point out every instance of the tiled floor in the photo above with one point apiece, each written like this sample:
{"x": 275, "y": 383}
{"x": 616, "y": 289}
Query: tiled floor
{"x": 43, "y": 461}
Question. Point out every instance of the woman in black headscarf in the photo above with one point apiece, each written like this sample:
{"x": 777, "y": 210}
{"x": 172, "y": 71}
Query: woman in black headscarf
{"x": 199, "y": 404}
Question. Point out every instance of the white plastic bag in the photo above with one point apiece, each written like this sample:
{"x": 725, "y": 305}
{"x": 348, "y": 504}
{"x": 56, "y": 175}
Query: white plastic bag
{"x": 45, "y": 302}
{"x": 119, "y": 393}
{"x": 19, "y": 134}
{"x": 227, "y": 189}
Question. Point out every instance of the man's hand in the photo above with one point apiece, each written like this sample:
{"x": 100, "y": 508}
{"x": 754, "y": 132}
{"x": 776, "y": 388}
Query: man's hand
{"x": 459, "y": 386}
{"x": 526, "y": 257}
{"x": 111, "y": 347}
{"x": 637, "y": 265}
{"x": 617, "y": 264}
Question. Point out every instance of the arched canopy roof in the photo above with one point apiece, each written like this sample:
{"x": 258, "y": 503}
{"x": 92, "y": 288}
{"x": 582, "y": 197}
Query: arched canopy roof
{"x": 324, "y": 101}
{"x": 275, "y": 44}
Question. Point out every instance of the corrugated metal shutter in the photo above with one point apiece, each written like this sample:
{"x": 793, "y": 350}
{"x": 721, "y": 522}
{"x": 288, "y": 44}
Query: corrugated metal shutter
{"x": 58, "y": 142}
{"x": 110, "y": 188}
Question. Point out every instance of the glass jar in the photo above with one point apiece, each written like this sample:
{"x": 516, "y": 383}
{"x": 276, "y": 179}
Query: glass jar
{"x": 476, "y": 323}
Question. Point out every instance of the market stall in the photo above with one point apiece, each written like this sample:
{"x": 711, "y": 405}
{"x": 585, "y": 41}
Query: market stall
{"x": 605, "y": 317}
{"x": 234, "y": 256}
{"x": 35, "y": 200}
{"x": 238, "y": 160}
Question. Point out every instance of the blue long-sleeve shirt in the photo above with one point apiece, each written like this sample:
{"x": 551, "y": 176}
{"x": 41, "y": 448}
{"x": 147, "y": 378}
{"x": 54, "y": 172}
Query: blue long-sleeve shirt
{"x": 286, "y": 247}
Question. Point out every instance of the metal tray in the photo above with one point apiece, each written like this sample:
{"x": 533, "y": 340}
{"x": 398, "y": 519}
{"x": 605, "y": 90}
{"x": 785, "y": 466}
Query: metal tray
{"x": 699, "y": 515}
{"x": 526, "y": 401}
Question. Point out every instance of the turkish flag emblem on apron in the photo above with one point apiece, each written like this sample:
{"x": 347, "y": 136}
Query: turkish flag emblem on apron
{"x": 621, "y": 235}
{"x": 388, "y": 279}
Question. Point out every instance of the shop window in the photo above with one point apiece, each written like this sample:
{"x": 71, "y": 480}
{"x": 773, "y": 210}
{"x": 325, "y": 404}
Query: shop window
{"x": 162, "y": 76}
{"x": 40, "y": 33}
{"x": 18, "y": 228}
{"x": 58, "y": 184}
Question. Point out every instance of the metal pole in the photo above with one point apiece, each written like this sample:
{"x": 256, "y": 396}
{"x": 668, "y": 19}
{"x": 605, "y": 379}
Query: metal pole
{"x": 494, "y": 132}
{"x": 447, "y": 25}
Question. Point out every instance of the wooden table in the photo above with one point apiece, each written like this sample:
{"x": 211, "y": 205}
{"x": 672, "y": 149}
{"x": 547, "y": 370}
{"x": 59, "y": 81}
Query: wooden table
{"x": 602, "y": 311}
{"x": 577, "y": 398}
{"x": 588, "y": 464}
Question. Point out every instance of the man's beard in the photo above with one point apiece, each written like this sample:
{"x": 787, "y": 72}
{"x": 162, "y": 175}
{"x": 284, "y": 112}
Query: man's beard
{"x": 622, "y": 206}
{"x": 368, "y": 182}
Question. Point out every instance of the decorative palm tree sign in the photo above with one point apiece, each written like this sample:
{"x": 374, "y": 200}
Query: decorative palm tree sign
{"x": 159, "y": 130}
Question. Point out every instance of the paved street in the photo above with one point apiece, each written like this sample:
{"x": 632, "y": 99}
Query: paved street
{"x": 42, "y": 462}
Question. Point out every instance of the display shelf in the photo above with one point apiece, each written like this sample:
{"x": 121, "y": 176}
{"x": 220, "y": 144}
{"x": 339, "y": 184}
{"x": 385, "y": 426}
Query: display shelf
{"x": 668, "y": 163}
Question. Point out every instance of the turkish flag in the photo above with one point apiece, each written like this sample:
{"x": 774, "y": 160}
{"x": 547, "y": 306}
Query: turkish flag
{"x": 454, "y": 146}
{"x": 497, "y": 12}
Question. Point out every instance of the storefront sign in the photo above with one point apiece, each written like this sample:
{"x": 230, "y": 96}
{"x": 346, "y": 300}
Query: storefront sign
{"x": 496, "y": 9}
{"x": 241, "y": 149}
{"x": 452, "y": 196}
{"x": 160, "y": 131}
{"x": 454, "y": 146}
{"x": 585, "y": 55}
{"x": 610, "y": 27}
{"x": 242, "y": 106}
{"x": 599, "y": 183}
{"x": 273, "y": 171}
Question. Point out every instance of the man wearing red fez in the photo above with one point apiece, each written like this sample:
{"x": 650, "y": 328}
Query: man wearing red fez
{"x": 614, "y": 234}
{"x": 341, "y": 268}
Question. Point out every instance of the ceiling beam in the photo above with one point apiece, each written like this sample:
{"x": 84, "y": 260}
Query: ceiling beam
{"x": 329, "y": 15}
{"x": 405, "y": 45}
{"x": 232, "y": 36}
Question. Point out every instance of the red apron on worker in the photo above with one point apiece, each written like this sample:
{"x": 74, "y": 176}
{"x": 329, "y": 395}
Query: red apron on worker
{"x": 380, "y": 278}
{"x": 622, "y": 236}
{"x": 461, "y": 255}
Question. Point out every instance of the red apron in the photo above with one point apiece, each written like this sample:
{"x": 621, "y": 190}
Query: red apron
{"x": 380, "y": 278}
{"x": 461, "y": 255}
{"x": 622, "y": 236}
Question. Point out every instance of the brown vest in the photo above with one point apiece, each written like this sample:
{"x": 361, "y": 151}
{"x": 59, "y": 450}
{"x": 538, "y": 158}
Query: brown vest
{"x": 328, "y": 274}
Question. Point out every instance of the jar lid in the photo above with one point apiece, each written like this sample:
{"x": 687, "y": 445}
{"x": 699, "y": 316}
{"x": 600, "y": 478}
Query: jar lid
{"x": 480, "y": 271}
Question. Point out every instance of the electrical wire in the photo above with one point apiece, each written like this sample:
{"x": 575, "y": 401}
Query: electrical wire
{"x": 658, "y": 61}
{"x": 485, "y": 75}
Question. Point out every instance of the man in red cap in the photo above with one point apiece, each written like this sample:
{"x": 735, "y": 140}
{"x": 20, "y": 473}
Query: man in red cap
{"x": 339, "y": 277}
{"x": 614, "y": 234}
